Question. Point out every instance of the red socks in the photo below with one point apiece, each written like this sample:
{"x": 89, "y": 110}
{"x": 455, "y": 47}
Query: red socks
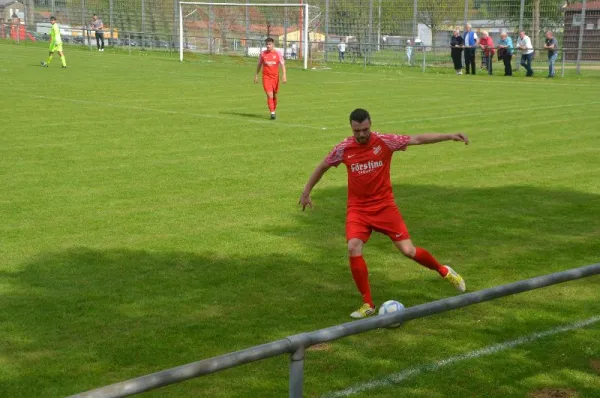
{"x": 425, "y": 258}
{"x": 271, "y": 103}
{"x": 361, "y": 278}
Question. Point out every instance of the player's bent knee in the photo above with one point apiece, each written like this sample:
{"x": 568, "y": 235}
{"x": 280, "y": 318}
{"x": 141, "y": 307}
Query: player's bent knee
{"x": 407, "y": 248}
{"x": 355, "y": 247}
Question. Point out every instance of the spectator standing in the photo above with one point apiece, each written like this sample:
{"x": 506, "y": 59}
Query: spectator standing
{"x": 505, "y": 52}
{"x": 341, "y": 50}
{"x": 487, "y": 45}
{"x": 524, "y": 44}
{"x": 552, "y": 47}
{"x": 456, "y": 48}
{"x": 470, "y": 38}
{"x": 98, "y": 28}
{"x": 408, "y": 52}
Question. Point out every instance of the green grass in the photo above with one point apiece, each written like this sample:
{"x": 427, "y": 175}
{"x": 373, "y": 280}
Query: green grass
{"x": 149, "y": 219}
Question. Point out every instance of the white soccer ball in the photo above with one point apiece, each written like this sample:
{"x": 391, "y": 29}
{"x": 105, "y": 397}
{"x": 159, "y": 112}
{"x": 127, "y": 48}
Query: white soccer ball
{"x": 389, "y": 307}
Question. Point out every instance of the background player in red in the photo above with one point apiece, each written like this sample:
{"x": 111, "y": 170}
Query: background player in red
{"x": 371, "y": 204}
{"x": 269, "y": 61}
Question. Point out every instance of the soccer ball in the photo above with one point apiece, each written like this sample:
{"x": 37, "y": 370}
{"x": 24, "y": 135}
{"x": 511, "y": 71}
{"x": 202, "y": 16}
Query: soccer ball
{"x": 390, "y": 307}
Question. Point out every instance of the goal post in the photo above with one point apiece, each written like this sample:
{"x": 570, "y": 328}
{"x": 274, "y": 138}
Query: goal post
{"x": 212, "y": 26}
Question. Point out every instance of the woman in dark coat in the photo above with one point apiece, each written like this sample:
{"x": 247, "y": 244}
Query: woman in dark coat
{"x": 456, "y": 47}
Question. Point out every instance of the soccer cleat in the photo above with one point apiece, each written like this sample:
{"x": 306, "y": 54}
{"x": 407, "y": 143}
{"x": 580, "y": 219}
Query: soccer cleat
{"x": 64, "y": 67}
{"x": 364, "y": 311}
{"x": 44, "y": 65}
{"x": 272, "y": 115}
{"x": 457, "y": 280}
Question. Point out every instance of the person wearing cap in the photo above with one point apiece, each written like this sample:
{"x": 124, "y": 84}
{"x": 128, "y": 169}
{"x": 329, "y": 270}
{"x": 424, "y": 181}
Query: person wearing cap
{"x": 55, "y": 44}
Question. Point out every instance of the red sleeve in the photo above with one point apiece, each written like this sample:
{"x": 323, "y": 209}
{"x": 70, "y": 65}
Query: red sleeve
{"x": 395, "y": 142}
{"x": 336, "y": 156}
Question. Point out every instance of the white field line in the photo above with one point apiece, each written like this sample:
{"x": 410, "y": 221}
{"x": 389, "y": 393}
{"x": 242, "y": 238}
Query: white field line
{"x": 397, "y": 378}
{"x": 198, "y": 115}
{"x": 518, "y": 112}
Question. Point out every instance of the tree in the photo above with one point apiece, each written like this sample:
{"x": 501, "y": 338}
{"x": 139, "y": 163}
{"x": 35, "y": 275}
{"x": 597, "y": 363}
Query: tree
{"x": 438, "y": 13}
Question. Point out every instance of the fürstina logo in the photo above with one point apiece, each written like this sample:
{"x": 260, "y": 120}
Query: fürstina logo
{"x": 364, "y": 168}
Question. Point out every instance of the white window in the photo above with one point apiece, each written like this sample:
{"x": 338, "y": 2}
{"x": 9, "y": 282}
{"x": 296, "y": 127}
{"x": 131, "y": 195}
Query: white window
{"x": 577, "y": 20}
{"x": 589, "y": 26}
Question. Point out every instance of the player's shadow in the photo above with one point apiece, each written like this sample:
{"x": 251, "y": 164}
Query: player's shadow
{"x": 245, "y": 114}
{"x": 127, "y": 312}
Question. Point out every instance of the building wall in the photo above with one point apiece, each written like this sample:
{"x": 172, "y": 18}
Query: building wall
{"x": 591, "y": 35}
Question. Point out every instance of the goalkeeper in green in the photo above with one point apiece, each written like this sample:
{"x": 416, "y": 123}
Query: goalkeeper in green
{"x": 55, "y": 44}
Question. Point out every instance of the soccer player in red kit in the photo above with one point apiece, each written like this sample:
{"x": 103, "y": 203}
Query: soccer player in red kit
{"x": 269, "y": 61}
{"x": 371, "y": 205}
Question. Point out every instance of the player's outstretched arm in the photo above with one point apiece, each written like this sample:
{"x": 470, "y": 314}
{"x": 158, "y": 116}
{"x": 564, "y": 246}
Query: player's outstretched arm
{"x": 312, "y": 181}
{"x": 432, "y": 138}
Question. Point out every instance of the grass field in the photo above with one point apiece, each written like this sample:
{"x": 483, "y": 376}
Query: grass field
{"x": 149, "y": 219}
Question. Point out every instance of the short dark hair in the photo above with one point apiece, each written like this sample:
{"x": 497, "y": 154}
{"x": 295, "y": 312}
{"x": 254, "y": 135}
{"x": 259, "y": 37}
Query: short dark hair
{"x": 95, "y": 15}
{"x": 52, "y": 18}
{"x": 359, "y": 115}
{"x": 269, "y": 40}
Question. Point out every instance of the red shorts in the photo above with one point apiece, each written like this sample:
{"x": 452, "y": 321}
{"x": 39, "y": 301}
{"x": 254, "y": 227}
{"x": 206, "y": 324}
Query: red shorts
{"x": 386, "y": 220}
{"x": 271, "y": 85}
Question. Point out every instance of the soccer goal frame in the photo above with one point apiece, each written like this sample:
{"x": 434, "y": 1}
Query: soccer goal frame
{"x": 303, "y": 6}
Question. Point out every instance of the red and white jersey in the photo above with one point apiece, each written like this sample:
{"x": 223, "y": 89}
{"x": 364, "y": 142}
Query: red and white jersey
{"x": 270, "y": 61}
{"x": 368, "y": 165}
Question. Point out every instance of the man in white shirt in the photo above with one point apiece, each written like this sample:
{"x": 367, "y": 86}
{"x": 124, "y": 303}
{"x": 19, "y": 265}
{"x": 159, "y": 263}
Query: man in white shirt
{"x": 341, "y": 50}
{"x": 524, "y": 44}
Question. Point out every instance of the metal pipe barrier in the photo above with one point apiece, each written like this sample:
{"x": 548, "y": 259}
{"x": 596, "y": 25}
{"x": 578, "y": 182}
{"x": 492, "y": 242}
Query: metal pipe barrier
{"x": 297, "y": 344}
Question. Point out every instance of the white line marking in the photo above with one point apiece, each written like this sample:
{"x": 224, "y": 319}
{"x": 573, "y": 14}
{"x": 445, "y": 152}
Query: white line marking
{"x": 464, "y": 115}
{"x": 198, "y": 115}
{"x": 397, "y": 378}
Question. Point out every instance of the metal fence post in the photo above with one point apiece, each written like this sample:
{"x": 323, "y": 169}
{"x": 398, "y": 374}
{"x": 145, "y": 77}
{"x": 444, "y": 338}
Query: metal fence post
{"x": 297, "y": 372}
{"x": 581, "y": 29}
{"x": 210, "y": 19}
{"x": 424, "y": 54}
{"x": 247, "y": 21}
{"x": 415, "y": 27}
{"x": 466, "y": 12}
{"x": 370, "y": 31}
{"x": 143, "y": 23}
{"x": 110, "y": 21}
{"x": 562, "y": 73}
{"x": 326, "y": 28}
{"x": 521, "y": 16}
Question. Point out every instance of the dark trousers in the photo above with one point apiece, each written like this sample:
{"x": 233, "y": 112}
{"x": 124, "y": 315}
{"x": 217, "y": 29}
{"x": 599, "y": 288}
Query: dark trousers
{"x": 506, "y": 57}
{"x": 457, "y": 59}
{"x": 488, "y": 60}
{"x": 470, "y": 60}
{"x": 100, "y": 40}
{"x": 526, "y": 63}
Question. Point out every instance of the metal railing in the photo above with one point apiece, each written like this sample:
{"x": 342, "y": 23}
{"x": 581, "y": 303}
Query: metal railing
{"x": 297, "y": 344}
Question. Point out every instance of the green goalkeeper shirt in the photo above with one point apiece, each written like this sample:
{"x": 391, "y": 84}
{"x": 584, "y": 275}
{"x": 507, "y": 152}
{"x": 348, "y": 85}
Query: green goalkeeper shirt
{"x": 55, "y": 34}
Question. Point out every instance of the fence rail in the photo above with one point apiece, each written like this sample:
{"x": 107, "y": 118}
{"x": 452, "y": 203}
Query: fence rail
{"x": 297, "y": 344}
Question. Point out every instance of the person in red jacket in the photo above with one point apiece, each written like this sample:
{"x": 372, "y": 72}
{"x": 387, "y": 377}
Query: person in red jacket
{"x": 487, "y": 45}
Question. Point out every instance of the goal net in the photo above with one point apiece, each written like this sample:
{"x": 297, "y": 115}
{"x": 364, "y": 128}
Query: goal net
{"x": 240, "y": 29}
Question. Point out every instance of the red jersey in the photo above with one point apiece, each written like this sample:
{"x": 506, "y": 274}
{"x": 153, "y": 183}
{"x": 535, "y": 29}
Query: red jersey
{"x": 368, "y": 167}
{"x": 270, "y": 61}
